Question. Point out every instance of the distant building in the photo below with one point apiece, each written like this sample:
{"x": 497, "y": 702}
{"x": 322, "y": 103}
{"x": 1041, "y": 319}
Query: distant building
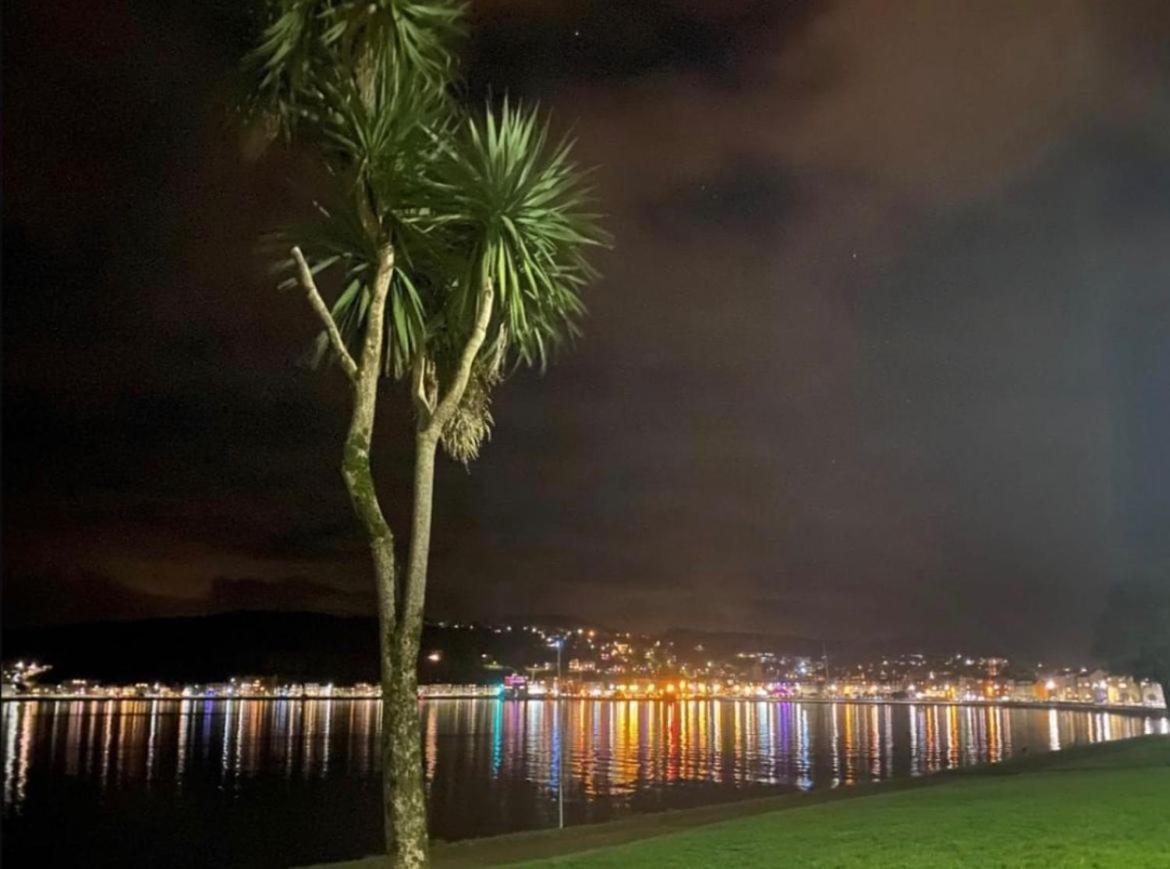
{"x": 1099, "y": 687}
{"x": 1024, "y": 690}
{"x": 1152, "y": 695}
{"x": 460, "y": 691}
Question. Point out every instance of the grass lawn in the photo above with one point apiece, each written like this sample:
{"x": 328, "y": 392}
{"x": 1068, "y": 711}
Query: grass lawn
{"x": 1109, "y": 807}
{"x": 1104, "y": 805}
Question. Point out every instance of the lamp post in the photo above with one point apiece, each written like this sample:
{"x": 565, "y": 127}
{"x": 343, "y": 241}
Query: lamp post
{"x": 559, "y": 643}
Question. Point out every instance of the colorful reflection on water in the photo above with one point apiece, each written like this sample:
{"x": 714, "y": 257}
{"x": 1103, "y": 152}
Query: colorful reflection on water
{"x": 491, "y": 765}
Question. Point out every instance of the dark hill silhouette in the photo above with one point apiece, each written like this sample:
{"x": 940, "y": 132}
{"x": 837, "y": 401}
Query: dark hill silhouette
{"x": 302, "y": 646}
{"x": 294, "y": 646}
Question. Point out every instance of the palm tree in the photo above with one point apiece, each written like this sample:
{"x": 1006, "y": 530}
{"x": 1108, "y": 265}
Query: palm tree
{"x": 456, "y": 242}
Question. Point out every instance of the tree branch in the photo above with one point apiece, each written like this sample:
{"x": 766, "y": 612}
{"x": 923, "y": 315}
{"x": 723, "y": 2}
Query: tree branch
{"x": 450, "y": 402}
{"x": 318, "y": 304}
{"x": 423, "y": 398}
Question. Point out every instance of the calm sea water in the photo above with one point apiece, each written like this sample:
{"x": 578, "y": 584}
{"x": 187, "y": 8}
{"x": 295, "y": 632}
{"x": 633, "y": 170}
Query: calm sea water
{"x": 277, "y": 783}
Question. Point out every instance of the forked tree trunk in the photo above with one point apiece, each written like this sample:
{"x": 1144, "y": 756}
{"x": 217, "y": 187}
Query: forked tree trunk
{"x": 399, "y": 628}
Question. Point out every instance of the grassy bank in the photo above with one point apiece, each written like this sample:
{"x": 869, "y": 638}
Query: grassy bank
{"x": 1103, "y": 805}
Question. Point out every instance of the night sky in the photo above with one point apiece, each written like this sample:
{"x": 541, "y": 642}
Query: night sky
{"x": 882, "y": 349}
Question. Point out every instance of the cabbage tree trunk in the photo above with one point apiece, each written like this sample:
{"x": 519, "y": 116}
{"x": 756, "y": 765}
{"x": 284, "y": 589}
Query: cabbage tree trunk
{"x": 406, "y": 806}
{"x": 363, "y": 376}
{"x": 400, "y": 623}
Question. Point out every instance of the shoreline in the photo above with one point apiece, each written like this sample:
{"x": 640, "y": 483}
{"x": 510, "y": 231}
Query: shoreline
{"x": 1004, "y": 704}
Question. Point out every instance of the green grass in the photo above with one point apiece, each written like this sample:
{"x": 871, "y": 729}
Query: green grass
{"x": 1104, "y": 805}
{"x": 1109, "y": 807}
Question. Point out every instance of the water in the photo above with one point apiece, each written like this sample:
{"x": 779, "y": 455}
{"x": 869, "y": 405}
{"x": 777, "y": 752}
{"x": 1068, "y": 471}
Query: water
{"x": 277, "y": 783}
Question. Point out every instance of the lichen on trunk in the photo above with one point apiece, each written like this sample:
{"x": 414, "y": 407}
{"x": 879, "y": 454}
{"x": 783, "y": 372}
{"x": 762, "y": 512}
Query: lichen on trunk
{"x": 406, "y": 810}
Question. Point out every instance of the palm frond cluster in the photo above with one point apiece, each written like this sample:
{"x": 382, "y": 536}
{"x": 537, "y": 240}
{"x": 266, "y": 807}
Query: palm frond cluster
{"x": 467, "y": 199}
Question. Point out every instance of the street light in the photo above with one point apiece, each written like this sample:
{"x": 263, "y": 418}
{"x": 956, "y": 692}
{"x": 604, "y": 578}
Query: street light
{"x": 559, "y": 642}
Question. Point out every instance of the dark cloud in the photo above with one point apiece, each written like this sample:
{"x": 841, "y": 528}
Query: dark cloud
{"x": 741, "y": 198}
{"x": 880, "y": 349}
{"x": 288, "y": 594}
{"x": 66, "y": 596}
{"x": 79, "y": 595}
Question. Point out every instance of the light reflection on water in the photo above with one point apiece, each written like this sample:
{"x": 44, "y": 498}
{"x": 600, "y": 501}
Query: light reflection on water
{"x": 496, "y": 765}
